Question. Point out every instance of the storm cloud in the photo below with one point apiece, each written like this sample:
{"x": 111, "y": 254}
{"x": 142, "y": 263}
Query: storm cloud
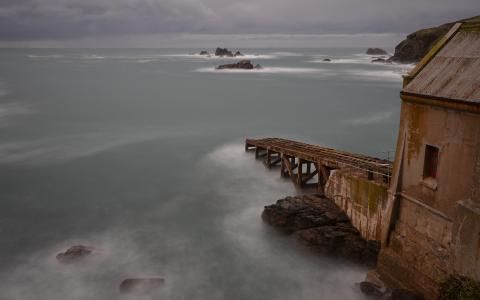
{"x": 22, "y": 20}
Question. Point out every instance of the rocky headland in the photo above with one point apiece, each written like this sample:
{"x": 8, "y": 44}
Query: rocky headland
{"x": 417, "y": 44}
{"x": 320, "y": 225}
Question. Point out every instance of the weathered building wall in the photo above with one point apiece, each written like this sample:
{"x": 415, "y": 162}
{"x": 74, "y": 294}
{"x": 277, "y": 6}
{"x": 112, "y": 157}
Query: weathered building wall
{"x": 436, "y": 221}
{"x": 362, "y": 200}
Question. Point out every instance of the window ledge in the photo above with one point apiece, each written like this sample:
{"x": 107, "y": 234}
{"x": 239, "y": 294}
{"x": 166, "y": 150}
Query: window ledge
{"x": 430, "y": 183}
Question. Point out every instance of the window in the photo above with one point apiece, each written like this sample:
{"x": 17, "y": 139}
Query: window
{"x": 431, "y": 161}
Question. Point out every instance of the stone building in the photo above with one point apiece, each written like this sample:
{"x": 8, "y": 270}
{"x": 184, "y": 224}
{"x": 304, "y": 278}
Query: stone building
{"x": 431, "y": 220}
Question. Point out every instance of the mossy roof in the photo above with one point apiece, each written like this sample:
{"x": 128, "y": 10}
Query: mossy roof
{"x": 451, "y": 69}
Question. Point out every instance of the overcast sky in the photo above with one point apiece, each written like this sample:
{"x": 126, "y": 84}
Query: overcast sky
{"x": 123, "y": 22}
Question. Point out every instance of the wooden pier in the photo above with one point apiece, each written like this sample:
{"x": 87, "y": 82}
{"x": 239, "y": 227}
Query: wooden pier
{"x": 304, "y": 162}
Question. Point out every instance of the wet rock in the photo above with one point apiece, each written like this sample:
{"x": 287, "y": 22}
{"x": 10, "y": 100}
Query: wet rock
{"x": 204, "y": 53}
{"x": 258, "y": 67}
{"x": 401, "y": 294}
{"x": 376, "y": 51}
{"x": 223, "y": 52}
{"x": 326, "y": 60}
{"x": 243, "y": 64}
{"x": 372, "y": 290}
{"x": 322, "y": 226}
{"x": 74, "y": 254}
{"x": 301, "y": 212}
{"x": 238, "y": 53}
{"x": 141, "y": 285}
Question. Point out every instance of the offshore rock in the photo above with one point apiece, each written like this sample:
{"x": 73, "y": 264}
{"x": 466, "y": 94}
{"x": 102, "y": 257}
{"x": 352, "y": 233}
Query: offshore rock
{"x": 223, "y": 52}
{"x": 238, "y": 53}
{"x": 74, "y": 254}
{"x": 326, "y": 59}
{"x": 322, "y": 226}
{"x": 204, "y": 52}
{"x": 141, "y": 285}
{"x": 243, "y": 64}
{"x": 376, "y": 51}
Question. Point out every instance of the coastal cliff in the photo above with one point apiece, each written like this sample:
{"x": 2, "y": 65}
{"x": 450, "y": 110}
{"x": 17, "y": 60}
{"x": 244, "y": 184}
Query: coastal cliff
{"x": 417, "y": 44}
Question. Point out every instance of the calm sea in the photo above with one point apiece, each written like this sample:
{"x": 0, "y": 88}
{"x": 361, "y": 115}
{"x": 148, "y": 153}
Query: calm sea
{"x": 139, "y": 153}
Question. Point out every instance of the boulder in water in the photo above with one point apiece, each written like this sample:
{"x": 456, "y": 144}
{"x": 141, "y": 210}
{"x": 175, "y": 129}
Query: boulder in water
{"x": 326, "y": 60}
{"x": 141, "y": 285}
{"x": 238, "y": 53}
{"x": 376, "y": 51}
{"x": 74, "y": 254}
{"x": 204, "y": 52}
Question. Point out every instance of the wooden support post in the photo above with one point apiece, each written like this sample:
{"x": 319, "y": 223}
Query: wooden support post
{"x": 269, "y": 158}
{"x": 369, "y": 175}
{"x": 310, "y": 176}
{"x": 300, "y": 172}
{"x": 320, "y": 178}
{"x": 257, "y": 152}
{"x": 282, "y": 168}
{"x": 308, "y": 168}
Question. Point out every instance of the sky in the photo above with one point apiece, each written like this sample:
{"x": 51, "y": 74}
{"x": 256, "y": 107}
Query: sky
{"x": 170, "y": 23}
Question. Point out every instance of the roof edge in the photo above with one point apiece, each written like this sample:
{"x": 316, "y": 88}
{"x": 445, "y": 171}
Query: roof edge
{"x": 431, "y": 54}
{"x": 448, "y": 103}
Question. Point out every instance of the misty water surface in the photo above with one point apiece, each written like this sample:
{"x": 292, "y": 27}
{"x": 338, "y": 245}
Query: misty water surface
{"x": 139, "y": 153}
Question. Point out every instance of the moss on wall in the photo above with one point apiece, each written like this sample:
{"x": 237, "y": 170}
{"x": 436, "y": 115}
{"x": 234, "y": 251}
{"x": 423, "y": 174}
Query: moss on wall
{"x": 413, "y": 131}
{"x": 458, "y": 287}
{"x": 366, "y": 193}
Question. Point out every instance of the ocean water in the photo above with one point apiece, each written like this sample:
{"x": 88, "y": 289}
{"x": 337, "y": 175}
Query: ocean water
{"x": 139, "y": 153}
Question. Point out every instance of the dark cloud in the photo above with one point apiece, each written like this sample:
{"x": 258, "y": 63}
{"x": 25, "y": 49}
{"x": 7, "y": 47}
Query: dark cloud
{"x": 70, "y": 19}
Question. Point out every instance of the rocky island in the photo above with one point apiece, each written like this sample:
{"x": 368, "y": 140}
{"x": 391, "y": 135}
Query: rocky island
{"x": 376, "y": 51}
{"x": 243, "y": 65}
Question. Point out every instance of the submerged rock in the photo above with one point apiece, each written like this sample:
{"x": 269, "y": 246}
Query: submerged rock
{"x": 141, "y": 285}
{"x": 258, "y": 67}
{"x": 326, "y": 59}
{"x": 382, "y": 60}
{"x": 374, "y": 291}
{"x": 322, "y": 226}
{"x": 204, "y": 52}
{"x": 376, "y": 51}
{"x": 74, "y": 254}
{"x": 243, "y": 64}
